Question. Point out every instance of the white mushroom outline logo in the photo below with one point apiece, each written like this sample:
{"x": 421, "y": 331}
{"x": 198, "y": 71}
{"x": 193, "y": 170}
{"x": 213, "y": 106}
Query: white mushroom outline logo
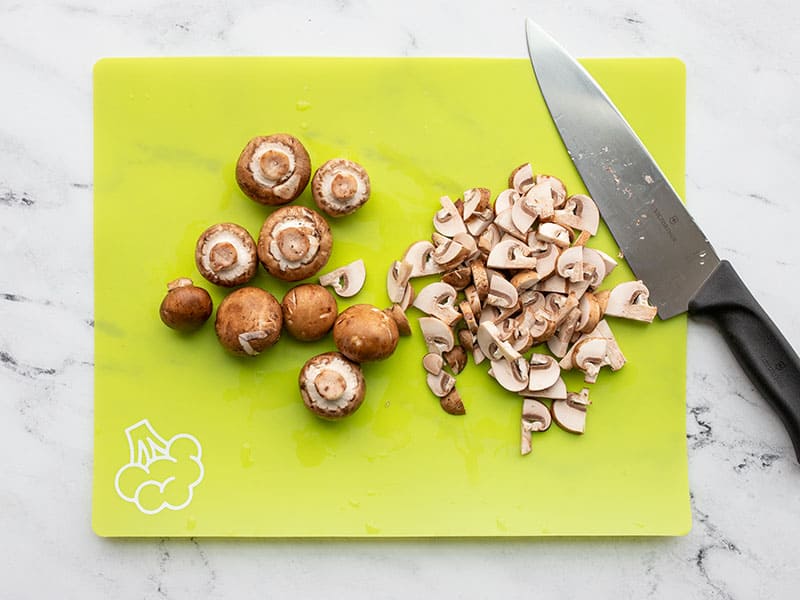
{"x": 160, "y": 473}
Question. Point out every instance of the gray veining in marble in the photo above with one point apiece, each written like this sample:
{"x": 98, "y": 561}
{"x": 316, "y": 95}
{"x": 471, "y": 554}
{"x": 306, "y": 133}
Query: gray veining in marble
{"x": 743, "y": 152}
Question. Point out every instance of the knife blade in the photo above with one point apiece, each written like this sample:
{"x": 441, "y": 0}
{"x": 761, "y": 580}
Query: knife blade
{"x": 656, "y": 234}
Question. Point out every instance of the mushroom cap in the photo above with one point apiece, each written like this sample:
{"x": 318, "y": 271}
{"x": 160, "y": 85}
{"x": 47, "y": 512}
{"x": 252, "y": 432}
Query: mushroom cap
{"x": 332, "y": 386}
{"x": 365, "y": 333}
{"x": 248, "y": 321}
{"x": 185, "y": 307}
{"x": 225, "y": 254}
{"x": 294, "y": 243}
{"x": 309, "y": 311}
{"x": 273, "y": 169}
{"x": 340, "y": 187}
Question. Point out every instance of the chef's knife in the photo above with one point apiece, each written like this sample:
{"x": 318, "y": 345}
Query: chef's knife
{"x": 659, "y": 239}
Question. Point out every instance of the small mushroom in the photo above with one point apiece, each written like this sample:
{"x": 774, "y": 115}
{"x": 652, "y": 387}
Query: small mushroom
{"x": 535, "y": 417}
{"x": 420, "y": 256}
{"x": 570, "y": 414}
{"x": 273, "y": 169}
{"x": 332, "y": 387}
{"x": 364, "y": 333}
{"x": 543, "y": 373}
{"x": 397, "y": 280}
{"x": 511, "y": 254}
{"x": 452, "y": 404}
{"x": 185, "y": 307}
{"x": 309, "y": 311}
{"x": 225, "y": 254}
{"x": 346, "y": 281}
{"x": 579, "y": 212}
{"x": 447, "y": 220}
{"x": 249, "y": 320}
{"x": 340, "y": 187}
{"x": 398, "y": 315}
{"x": 438, "y": 335}
{"x": 521, "y": 178}
{"x": 294, "y": 243}
{"x": 629, "y": 300}
{"x": 437, "y": 299}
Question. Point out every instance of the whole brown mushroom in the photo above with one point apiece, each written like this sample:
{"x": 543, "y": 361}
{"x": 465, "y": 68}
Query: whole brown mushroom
{"x": 185, "y": 307}
{"x": 332, "y": 387}
{"x": 225, "y": 254}
{"x": 309, "y": 311}
{"x": 273, "y": 169}
{"x": 294, "y": 243}
{"x": 248, "y": 321}
{"x": 340, "y": 187}
{"x": 364, "y": 333}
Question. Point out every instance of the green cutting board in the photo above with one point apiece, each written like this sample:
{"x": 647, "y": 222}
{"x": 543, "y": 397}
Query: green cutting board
{"x": 190, "y": 441}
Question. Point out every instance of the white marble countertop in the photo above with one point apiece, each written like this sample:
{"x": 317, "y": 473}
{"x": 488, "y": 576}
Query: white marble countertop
{"x": 743, "y": 66}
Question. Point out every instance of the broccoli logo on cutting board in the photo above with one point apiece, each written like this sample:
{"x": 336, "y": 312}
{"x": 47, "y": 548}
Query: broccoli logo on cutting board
{"x": 160, "y": 473}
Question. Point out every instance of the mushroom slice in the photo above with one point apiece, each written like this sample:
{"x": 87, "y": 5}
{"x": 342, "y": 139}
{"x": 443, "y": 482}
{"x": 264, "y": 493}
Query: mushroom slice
{"x": 543, "y": 373}
{"x": 557, "y": 188}
{"x": 543, "y": 327}
{"x": 523, "y": 216}
{"x": 476, "y": 200}
{"x": 452, "y": 404}
{"x": 467, "y": 340}
{"x": 538, "y": 200}
{"x": 440, "y": 384}
{"x": 595, "y": 259}
{"x": 479, "y": 221}
{"x": 456, "y": 359}
{"x": 459, "y": 278}
{"x": 554, "y": 233}
{"x": 340, "y": 187}
{"x": 447, "y": 220}
{"x": 570, "y": 263}
{"x": 332, "y": 386}
{"x": 437, "y": 335}
{"x": 469, "y": 317}
{"x": 559, "y": 343}
{"x": 629, "y": 300}
{"x": 602, "y": 299}
{"x": 225, "y": 254}
{"x": 420, "y": 256}
{"x": 614, "y": 357}
{"x": 501, "y": 293}
{"x": 590, "y": 355}
{"x": 610, "y": 263}
{"x": 511, "y": 254}
{"x": 437, "y": 299}
{"x": 408, "y": 297}
{"x": 474, "y": 299}
{"x": 489, "y": 239}
{"x": 398, "y": 315}
{"x": 579, "y": 212}
{"x": 590, "y": 313}
{"x": 546, "y": 259}
{"x": 511, "y": 374}
{"x": 469, "y": 243}
{"x": 557, "y": 391}
{"x": 505, "y": 200}
{"x": 570, "y": 414}
{"x": 524, "y": 281}
{"x": 553, "y": 283}
{"x": 346, "y": 281}
{"x": 505, "y": 222}
{"x": 397, "y": 280}
{"x": 492, "y": 344}
{"x": 481, "y": 279}
{"x": 535, "y": 417}
{"x": 433, "y": 362}
{"x": 521, "y": 178}
{"x": 449, "y": 253}
{"x": 560, "y": 305}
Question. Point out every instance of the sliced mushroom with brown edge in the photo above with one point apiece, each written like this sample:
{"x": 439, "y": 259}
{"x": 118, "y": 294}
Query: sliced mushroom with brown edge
{"x": 452, "y": 404}
{"x": 346, "y": 281}
{"x": 340, "y": 187}
{"x": 441, "y": 383}
{"x": 511, "y": 254}
{"x": 225, "y": 254}
{"x": 185, "y": 307}
{"x": 332, "y": 386}
{"x": 365, "y": 333}
{"x": 420, "y": 256}
{"x": 273, "y": 169}
{"x": 436, "y": 299}
{"x": 309, "y": 311}
{"x": 294, "y": 243}
{"x": 521, "y": 178}
{"x": 511, "y": 374}
{"x": 438, "y": 335}
{"x": 629, "y": 300}
{"x": 447, "y": 220}
{"x": 570, "y": 414}
{"x": 544, "y": 372}
{"x": 249, "y": 320}
{"x": 398, "y": 315}
{"x": 579, "y": 212}
{"x": 535, "y": 417}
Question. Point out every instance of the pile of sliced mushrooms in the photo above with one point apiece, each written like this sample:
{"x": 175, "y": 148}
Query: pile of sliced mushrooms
{"x": 516, "y": 276}
{"x": 294, "y": 243}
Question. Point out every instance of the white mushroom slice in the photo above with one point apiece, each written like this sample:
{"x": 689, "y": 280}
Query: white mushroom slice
{"x": 420, "y": 256}
{"x": 546, "y": 259}
{"x": 570, "y": 263}
{"x": 559, "y": 343}
{"x": 524, "y": 281}
{"x": 557, "y": 391}
{"x": 492, "y": 344}
{"x": 489, "y": 238}
{"x": 629, "y": 300}
{"x": 512, "y": 375}
{"x": 553, "y": 233}
{"x": 505, "y": 222}
{"x": 522, "y": 216}
{"x": 521, "y": 178}
{"x": 408, "y": 297}
{"x": 469, "y": 243}
{"x": 449, "y": 253}
{"x": 476, "y": 200}
{"x": 595, "y": 259}
{"x": 609, "y": 262}
{"x": 590, "y": 355}
{"x": 570, "y": 414}
{"x": 437, "y": 299}
{"x": 579, "y": 212}
{"x": 346, "y": 281}
{"x": 560, "y": 306}
{"x": 511, "y": 254}
{"x": 544, "y": 326}
{"x": 505, "y": 200}
{"x": 440, "y": 384}
{"x": 397, "y": 280}
{"x": 477, "y": 355}
{"x": 489, "y": 314}
{"x": 553, "y": 283}
{"x": 433, "y": 363}
{"x": 478, "y": 221}
{"x": 538, "y": 200}
{"x": 544, "y": 372}
{"x": 590, "y": 313}
{"x": 615, "y": 358}
{"x": 501, "y": 293}
{"x": 469, "y": 317}
{"x": 437, "y": 335}
{"x": 447, "y": 221}
{"x": 535, "y": 417}
{"x": 557, "y": 188}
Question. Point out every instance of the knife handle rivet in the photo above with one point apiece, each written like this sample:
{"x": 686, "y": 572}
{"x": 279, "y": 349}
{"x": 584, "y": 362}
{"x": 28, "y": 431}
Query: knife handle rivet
{"x": 673, "y": 219}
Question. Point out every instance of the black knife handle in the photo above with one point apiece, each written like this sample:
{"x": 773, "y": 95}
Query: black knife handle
{"x": 762, "y": 351}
